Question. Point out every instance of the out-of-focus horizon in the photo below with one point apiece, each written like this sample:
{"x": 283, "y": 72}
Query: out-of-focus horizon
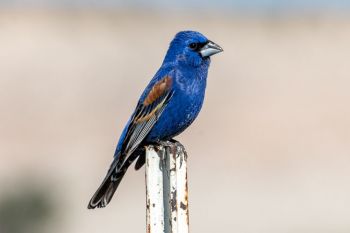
{"x": 241, "y": 5}
{"x": 270, "y": 151}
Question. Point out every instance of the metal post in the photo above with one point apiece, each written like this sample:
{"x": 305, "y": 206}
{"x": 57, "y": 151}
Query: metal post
{"x": 166, "y": 189}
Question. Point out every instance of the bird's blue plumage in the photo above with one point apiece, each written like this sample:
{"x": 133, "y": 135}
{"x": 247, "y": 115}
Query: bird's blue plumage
{"x": 189, "y": 72}
{"x": 168, "y": 105}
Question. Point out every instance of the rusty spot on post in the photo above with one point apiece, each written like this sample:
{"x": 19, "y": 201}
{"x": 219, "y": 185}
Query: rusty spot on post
{"x": 183, "y": 206}
{"x": 173, "y": 202}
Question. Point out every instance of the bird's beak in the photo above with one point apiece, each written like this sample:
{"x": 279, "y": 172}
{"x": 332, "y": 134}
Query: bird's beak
{"x": 210, "y": 49}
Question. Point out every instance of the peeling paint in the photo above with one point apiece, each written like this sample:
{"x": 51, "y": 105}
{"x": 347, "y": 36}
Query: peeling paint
{"x": 166, "y": 188}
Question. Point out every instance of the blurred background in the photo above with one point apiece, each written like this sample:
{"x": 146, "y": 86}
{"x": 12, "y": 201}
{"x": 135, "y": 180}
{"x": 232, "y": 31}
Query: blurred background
{"x": 269, "y": 153}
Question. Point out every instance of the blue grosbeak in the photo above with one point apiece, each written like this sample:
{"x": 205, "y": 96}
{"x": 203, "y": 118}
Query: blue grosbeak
{"x": 168, "y": 105}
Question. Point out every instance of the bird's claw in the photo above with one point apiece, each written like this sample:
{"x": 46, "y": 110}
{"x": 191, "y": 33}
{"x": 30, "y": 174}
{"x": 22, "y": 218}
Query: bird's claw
{"x": 165, "y": 143}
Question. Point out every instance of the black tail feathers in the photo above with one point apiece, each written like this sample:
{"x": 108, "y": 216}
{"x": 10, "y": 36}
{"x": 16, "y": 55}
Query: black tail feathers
{"x": 109, "y": 185}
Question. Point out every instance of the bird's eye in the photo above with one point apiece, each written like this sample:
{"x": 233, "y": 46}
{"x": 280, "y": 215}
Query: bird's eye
{"x": 193, "y": 46}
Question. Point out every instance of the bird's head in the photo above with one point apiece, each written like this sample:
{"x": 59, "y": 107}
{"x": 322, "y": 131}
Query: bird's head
{"x": 191, "y": 48}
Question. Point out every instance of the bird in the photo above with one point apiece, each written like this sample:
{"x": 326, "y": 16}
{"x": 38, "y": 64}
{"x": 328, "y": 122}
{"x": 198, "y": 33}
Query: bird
{"x": 169, "y": 104}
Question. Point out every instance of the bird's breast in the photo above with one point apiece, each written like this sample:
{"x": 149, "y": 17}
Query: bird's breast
{"x": 181, "y": 111}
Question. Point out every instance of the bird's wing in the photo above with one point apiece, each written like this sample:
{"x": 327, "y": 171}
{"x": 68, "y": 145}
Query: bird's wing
{"x": 146, "y": 115}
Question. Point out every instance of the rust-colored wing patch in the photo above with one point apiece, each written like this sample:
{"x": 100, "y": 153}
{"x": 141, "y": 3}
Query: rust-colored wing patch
{"x": 158, "y": 90}
{"x": 147, "y": 114}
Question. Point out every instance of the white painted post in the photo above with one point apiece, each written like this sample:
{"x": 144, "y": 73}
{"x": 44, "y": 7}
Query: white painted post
{"x": 166, "y": 189}
{"x": 154, "y": 192}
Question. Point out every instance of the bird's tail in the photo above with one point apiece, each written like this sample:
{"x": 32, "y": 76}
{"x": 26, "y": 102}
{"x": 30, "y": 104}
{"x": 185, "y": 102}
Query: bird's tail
{"x": 109, "y": 185}
{"x": 105, "y": 192}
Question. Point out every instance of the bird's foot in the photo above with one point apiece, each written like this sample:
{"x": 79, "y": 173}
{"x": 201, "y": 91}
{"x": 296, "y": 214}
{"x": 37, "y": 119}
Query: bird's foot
{"x": 165, "y": 143}
{"x": 177, "y": 143}
{"x": 171, "y": 143}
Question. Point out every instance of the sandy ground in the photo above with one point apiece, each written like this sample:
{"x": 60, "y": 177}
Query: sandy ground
{"x": 269, "y": 153}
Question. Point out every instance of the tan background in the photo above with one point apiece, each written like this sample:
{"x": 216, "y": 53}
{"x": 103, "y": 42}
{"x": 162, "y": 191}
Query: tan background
{"x": 269, "y": 153}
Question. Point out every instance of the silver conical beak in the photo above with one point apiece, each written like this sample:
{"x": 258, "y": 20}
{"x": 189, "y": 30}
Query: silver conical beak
{"x": 210, "y": 49}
